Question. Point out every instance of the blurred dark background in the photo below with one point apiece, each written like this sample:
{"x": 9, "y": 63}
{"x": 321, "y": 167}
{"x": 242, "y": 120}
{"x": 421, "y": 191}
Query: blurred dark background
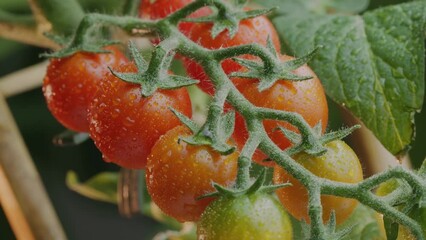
{"x": 83, "y": 218}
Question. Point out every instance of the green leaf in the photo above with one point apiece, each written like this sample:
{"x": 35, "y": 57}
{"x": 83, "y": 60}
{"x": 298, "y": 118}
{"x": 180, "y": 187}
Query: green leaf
{"x": 391, "y": 228}
{"x": 372, "y": 64}
{"x": 102, "y": 187}
{"x": 186, "y": 121}
{"x": 292, "y": 7}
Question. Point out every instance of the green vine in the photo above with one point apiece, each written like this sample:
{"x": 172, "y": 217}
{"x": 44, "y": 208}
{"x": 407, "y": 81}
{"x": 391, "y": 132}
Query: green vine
{"x": 269, "y": 70}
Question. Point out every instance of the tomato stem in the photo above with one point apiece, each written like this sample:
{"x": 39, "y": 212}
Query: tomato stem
{"x": 254, "y": 116}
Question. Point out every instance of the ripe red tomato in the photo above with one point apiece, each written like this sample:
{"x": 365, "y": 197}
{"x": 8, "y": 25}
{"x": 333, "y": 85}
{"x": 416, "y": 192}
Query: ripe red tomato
{"x": 254, "y": 216}
{"x": 71, "y": 82}
{"x": 304, "y": 97}
{"x": 253, "y": 30}
{"x": 177, "y": 173}
{"x": 124, "y": 125}
{"x": 158, "y": 9}
{"x": 339, "y": 163}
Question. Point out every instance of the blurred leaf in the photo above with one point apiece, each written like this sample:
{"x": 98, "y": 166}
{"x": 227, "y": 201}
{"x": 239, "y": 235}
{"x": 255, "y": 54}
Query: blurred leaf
{"x": 289, "y": 7}
{"x": 188, "y": 232}
{"x": 15, "y": 5}
{"x": 101, "y": 187}
{"x": 366, "y": 225}
{"x": 107, "y": 6}
{"x": 372, "y": 64}
{"x": 7, "y": 47}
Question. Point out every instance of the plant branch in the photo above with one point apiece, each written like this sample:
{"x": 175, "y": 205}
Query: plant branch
{"x": 25, "y": 34}
{"x": 210, "y": 60}
{"x": 43, "y": 25}
{"x": 23, "y": 80}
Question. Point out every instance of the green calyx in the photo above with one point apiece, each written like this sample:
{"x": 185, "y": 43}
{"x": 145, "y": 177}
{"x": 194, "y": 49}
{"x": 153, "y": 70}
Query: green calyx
{"x": 154, "y": 76}
{"x": 314, "y": 149}
{"x": 228, "y": 20}
{"x": 219, "y": 126}
{"x": 214, "y": 135}
{"x": 258, "y": 186}
{"x": 331, "y": 232}
{"x": 267, "y": 76}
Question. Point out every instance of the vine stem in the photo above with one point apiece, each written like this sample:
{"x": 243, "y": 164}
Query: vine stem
{"x": 210, "y": 60}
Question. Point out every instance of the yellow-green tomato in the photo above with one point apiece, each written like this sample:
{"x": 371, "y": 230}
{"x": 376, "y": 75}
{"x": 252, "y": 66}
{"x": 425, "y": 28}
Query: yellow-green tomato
{"x": 339, "y": 164}
{"x": 248, "y": 217}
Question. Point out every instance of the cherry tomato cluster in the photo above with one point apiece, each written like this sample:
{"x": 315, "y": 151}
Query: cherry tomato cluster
{"x": 140, "y": 132}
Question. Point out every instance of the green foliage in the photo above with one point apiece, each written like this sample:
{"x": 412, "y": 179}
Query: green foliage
{"x": 366, "y": 224}
{"x": 372, "y": 64}
{"x": 289, "y": 7}
{"x": 101, "y": 187}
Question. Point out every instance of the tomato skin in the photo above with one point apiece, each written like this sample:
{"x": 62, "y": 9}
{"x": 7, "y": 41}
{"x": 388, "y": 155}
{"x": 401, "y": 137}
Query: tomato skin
{"x": 253, "y": 30}
{"x": 304, "y": 97}
{"x": 162, "y": 8}
{"x": 254, "y": 216}
{"x": 339, "y": 163}
{"x": 177, "y": 173}
{"x": 124, "y": 125}
{"x": 71, "y": 82}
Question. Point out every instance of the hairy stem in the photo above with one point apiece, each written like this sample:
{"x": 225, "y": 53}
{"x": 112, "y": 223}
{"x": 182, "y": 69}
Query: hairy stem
{"x": 211, "y": 60}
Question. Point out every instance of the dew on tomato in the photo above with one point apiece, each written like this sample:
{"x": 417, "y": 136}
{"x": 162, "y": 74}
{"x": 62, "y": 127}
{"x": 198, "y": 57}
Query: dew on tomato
{"x": 253, "y": 30}
{"x": 124, "y": 125}
{"x": 339, "y": 164}
{"x": 306, "y": 98}
{"x": 254, "y": 216}
{"x": 186, "y": 172}
{"x": 70, "y": 85}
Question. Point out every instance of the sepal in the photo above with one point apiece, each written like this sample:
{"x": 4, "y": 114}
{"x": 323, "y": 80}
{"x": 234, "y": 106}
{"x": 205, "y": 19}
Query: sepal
{"x": 331, "y": 136}
{"x": 268, "y": 76}
{"x": 153, "y": 78}
{"x": 229, "y": 20}
{"x": 86, "y": 47}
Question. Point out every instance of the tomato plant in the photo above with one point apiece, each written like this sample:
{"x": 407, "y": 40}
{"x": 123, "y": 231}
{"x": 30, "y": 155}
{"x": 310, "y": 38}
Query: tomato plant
{"x": 124, "y": 125}
{"x": 71, "y": 83}
{"x": 255, "y": 30}
{"x": 273, "y": 105}
{"x": 305, "y": 97}
{"x": 255, "y": 216}
{"x": 339, "y": 163}
{"x": 187, "y": 173}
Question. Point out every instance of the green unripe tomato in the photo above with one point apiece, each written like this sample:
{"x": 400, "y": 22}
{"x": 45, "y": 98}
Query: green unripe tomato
{"x": 249, "y": 217}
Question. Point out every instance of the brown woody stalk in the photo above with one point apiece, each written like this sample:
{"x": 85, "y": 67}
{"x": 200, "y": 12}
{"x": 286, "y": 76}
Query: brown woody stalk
{"x": 23, "y": 80}
{"x": 23, "y": 181}
{"x": 25, "y": 34}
